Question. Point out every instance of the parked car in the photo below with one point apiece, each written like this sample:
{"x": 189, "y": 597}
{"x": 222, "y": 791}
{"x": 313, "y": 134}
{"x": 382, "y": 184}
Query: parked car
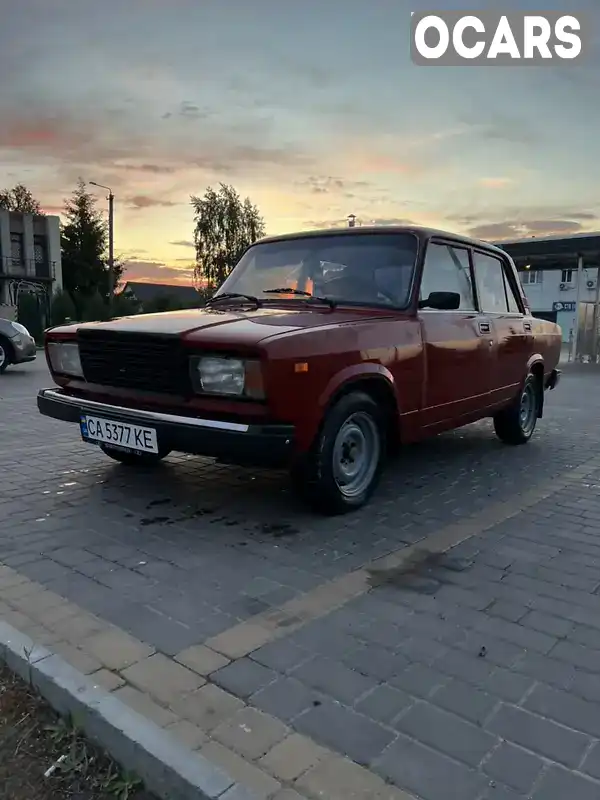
{"x": 17, "y": 345}
{"x": 321, "y": 352}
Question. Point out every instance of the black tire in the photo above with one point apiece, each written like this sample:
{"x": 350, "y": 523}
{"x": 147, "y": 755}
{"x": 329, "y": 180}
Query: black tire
{"x": 5, "y": 354}
{"x": 319, "y": 479}
{"x": 515, "y": 425}
{"x": 133, "y": 459}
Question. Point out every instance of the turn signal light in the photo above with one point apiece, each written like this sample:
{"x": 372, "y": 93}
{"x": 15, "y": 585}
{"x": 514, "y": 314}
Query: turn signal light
{"x": 254, "y": 385}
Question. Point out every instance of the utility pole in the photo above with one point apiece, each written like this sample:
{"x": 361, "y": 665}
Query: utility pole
{"x": 111, "y": 241}
{"x": 596, "y": 318}
{"x": 575, "y": 341}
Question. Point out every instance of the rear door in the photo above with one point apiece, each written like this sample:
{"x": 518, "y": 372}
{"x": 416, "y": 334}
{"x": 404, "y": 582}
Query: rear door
{"x": 458, "y": 344}
{"x": 499, "y": 300}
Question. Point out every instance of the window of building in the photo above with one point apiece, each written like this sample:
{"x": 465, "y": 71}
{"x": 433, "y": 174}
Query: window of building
{"x": 446, "y": 269}
{"x": 531, "y": 276}
{"x": 16, "y": 249}
{"x": 566, "y": 276}
{"x": 39, "y": 249}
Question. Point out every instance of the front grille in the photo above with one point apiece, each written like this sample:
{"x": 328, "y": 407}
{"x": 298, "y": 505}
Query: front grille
{"x": 149, "y": 363}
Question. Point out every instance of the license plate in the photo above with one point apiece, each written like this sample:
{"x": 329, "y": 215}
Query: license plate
{"x": 119, "y": 434}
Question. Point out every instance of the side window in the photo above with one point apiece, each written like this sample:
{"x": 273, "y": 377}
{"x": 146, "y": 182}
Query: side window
{"x": 446, "y": 269}
{"x": 491, "y": 286}
{"x": 513, "y": 304}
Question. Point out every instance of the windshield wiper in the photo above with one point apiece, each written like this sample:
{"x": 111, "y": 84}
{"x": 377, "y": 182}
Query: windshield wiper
{"x": 286, "y": 290}
{"x": 233, "y": 296}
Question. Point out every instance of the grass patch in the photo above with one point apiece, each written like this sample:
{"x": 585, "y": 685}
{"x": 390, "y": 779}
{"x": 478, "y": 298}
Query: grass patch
{"x": 45, "y": 757}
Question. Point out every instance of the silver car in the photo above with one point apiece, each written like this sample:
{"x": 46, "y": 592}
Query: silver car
{"x": 17, "y": 345}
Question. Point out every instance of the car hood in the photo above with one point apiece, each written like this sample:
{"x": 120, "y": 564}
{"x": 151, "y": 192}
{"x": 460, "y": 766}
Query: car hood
{"x": 244, "y": 326}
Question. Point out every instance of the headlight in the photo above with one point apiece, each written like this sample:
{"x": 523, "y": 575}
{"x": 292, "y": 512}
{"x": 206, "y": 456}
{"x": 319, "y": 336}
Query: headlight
{"x": 221, "y": 375}
{"x": 64, "y": 358}
{"x": 20, "y": 329}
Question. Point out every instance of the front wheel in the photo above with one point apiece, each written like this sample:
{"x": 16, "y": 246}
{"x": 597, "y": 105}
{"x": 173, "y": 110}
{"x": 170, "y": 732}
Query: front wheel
{"x": 345, "y": 462}
{"x": 516, "y": 424}
{"x": 133, "y": 459}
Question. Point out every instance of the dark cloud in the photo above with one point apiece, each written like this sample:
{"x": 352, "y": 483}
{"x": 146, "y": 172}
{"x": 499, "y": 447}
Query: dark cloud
{"x": 386, "y": 221}
{"x": 521, "y": 229}
{"x": 152, "y": 169}
{"x": 500, "y": 127}
{"x": 329, "y": 184}
{"x": 183, "y": 243}
{"x": 157, "y": 271}
{"x": 77, "y": 143}
{"x": 188, "y": 111}
{"x": 506, "y": 214}
{"x": 141, "y": 201}
{"x": 343, "y": 222}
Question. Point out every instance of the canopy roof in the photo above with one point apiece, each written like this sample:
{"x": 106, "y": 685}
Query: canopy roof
{"x": 554, "y": 252}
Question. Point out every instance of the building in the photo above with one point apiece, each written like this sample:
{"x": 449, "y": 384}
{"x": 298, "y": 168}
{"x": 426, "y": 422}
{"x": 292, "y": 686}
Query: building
{"x": 552, "y": 294}
{"x": 30, "y": 258}
{"x": 144, "y": 293}
{"x": 558, "y": 273}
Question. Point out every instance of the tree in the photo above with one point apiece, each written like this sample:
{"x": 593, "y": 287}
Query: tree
{"x": 224, "y": 227}
{"x": 30, "y": 314}
{"x": 84, "y": 240}
{"x": 161, "y": 303}
{"x": 19, "y": 198}
{"x": 124, "y": 306}
{"x": 95, "y": 308}
{"x": 62, "y": 308}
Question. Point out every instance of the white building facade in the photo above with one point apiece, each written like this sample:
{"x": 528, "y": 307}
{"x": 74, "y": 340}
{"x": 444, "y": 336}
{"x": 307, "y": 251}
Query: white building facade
{"x": 552, "y": 294}
{"x": 30, "y": 257}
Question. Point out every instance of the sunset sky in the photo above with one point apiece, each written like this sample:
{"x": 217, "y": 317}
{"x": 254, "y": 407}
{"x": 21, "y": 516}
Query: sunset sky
{"x": 313, "y": 109}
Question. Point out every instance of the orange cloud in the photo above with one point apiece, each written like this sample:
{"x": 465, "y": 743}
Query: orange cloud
{"x": 46, "y": 135}
{"x": 495, "y": 183}
{"x": 157, "y": 272}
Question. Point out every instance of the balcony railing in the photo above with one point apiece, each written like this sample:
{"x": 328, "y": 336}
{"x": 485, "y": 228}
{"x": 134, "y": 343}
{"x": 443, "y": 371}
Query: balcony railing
{"x": 27, "y": 269}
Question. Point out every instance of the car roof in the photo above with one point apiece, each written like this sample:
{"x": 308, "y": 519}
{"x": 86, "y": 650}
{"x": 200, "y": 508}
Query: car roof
{"x": 421, "y": 232}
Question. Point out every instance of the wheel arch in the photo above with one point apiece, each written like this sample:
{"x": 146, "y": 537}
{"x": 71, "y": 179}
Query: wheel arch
{"x": 378, "y": 384}
{"x": 536, "y": 367}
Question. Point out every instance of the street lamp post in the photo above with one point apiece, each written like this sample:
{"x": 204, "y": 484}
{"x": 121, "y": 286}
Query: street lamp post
{"x": 111, "y": 241}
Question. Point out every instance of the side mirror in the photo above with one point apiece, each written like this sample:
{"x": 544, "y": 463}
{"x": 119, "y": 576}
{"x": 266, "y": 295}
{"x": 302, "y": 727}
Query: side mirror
{"x": 442, "y": 301}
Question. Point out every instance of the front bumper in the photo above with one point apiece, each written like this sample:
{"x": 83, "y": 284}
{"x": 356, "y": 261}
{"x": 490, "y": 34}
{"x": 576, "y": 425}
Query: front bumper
{"x": 24, "y": 349}
{"x": 229, "y": 442}
{"x": 553, "y": 379}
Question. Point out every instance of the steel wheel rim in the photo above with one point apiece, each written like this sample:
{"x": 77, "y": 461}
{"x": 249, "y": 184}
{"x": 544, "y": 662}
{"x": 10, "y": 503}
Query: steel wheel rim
{"x": 356, "y": 452}
{"x": 528, "y": 409}
{"x": 2, "y": 356}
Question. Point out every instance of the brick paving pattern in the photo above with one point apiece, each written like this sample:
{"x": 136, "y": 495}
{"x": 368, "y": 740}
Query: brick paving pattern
{"x": 472, "y": 676}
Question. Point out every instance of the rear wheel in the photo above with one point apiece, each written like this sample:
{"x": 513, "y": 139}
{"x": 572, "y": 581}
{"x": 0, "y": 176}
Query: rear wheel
{"x": 516, "y": 424}
{"x": 132, "y": 458}
{"x": 345, "y": 462}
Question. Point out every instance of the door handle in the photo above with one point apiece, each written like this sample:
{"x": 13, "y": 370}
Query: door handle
{"x": 527, "y": 326}
{"x": 485, "y": 327}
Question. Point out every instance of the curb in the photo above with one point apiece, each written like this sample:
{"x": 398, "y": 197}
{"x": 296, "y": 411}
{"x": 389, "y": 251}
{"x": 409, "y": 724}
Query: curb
{"x": 168, "y": 768}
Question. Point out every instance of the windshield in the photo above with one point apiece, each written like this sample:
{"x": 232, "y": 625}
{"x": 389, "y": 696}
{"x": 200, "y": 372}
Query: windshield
{"x": 360, "y": 269}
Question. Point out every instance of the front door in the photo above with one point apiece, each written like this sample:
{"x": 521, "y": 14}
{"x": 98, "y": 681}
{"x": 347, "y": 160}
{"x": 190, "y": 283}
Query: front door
{"x": 514, "y": 337}
{"x": 458, "y": 344}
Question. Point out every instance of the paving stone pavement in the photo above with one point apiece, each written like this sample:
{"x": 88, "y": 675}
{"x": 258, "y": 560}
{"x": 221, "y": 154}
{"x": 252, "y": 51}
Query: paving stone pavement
{"x": 464, "y": 677}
